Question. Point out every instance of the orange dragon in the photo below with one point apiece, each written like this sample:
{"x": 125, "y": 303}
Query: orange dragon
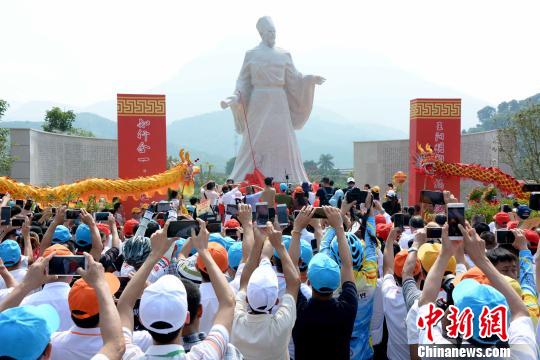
{"x": 427, "y": 163}
{"x": 179, "y": 176}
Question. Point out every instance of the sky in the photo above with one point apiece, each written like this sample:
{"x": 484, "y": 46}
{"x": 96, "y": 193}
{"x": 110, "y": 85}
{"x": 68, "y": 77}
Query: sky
{"x": 80, "y": 53}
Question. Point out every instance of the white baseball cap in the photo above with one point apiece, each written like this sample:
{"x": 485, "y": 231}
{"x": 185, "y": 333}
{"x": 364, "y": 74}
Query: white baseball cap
{"x": 163, "y": 307}
{"x": 350, "y": 179}
{"x": 262, "y": 289}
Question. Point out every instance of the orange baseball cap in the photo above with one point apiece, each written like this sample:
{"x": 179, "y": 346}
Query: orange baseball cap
{"x": 82, "y": 298}
{"x": 473, "y": 273}
{"x": 129, "y": 226}
{"x": 399, "y": 262}
{"x": 219, "y": 254}
{"x": 58, "y": 250}
{"x": 501, "y": 218}
{"x": 380, "y": 219}
{"x": 383, "y": 230}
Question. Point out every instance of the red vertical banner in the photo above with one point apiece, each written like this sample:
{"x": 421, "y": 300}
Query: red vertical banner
{"x": 436, "y": 122}
{"x": 142, "y": 137}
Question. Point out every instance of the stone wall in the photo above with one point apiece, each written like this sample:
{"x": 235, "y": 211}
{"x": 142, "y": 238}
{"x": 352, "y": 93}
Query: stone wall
{"x": 43, "y": 158}
{"x": 376, "y": 161}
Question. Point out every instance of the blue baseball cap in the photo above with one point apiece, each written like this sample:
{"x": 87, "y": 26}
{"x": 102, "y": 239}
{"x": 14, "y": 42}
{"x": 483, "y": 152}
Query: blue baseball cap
{"x": 523, "y": 211}
{"x": 306, "y": 253}
{"x": 61, "y": 235}
{"x": 286, "y": 240}
{"x": 26, "y": 330}
{"x": 470, "y": 293}
{"x": 82, "y": 236}
{"x": 218, "y": 238}
{"x": 283, "y": 187}
{"x": 323, "y": 273}
{"x": 235, "y": 254}
{"x": 10, "y": 252}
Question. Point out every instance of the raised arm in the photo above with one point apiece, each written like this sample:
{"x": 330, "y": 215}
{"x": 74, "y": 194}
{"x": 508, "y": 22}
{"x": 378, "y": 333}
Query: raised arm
{"x": 334, "y": 219}
{"x": 224, "y": 294}
{"x": 25, "y": 232}
{"x": 97, "y": 244}
{"x": 115, "y": 243}
{"x": 526, "y": 275}
{"x": 388, "y": 255}
{"x": 476, "y": 249}
{"x": 135, "y": 287}
{"x": 412, "y": 255}
{"x": 300, "y": 223}
{"x": 290, "y": 269}
{"x": 109, "y": 320}
{"x": 9, "y": 280}
{"x": 246, "y": 219}
{"x": 253, "y": 260}
{"x": 58, "y": 220}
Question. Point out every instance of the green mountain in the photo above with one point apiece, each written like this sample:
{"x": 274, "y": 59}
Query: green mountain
{"x": 211, "y": 136}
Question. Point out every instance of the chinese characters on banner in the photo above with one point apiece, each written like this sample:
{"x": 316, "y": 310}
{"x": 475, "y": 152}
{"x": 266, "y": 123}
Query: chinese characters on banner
{"x": 491, "y": 322}
{"x": 142, "y": 135}
{"x": 436, "y": 122}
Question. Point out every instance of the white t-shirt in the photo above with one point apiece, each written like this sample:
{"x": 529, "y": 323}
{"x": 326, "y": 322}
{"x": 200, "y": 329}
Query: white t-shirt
{"x": 76, "y": 343}
{"x": 18, "y": 274}
{"x": 211, "y": 195}
{"x": 213, "y": 347}
{"x": 377, "y": 319}
{"x": 395, "y": 313}
{"x": 263, "y": 336}
{"x": 210, "y": 305}
{"x": 412, "y": 328}
{"x": 405, "y": 237}
{"x": 521, "y": 336}
{"x": 56, "y": 295}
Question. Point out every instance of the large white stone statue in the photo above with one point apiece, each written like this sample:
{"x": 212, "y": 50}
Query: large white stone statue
{"x": 273, "y": 99}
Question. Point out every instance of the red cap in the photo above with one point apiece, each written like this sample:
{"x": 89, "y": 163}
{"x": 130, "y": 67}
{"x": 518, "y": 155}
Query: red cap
{"x": 533, "y": 238}
{"x": 380, "y": 219}
{"x": 232, "y": 224}
{"x": 129, "y": 226}
{"x": 104, "y": 228}
{"x": 383, "y": 230}
{"x": 512, "y": 225}
{"x": 501, "y": 218}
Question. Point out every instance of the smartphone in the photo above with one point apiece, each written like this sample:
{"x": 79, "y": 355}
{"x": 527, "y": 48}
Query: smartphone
{"x": 163, "y": 206}
{"x": 356, "y": 195}
{"x": 534, "y": 201}
{"x": 66, "y": 265}
{"x": 19, "y": 203}
{"x": 432, "y": 197}
{"x": 319, "y": 213}
{"x": 28, "y": 204}
{"x": 399, "y": 220}
{"x": 101, "y": 216}
{"x": 232, "y": 209}
{"x": 504, "y": 236}
{"x": 261, "y": 209}
{"x": 456, "y": 216}
{"x": 53, "y": 211}
{"x": 5, "y": 215}
{"x": 182, "y": 228}
{"x": 376, "y": 196}
{"x": 17, "y": 222}
{"x": 433, "y": 232}
{"x": 282, "y": 215}
{"x": 72, "y": 214}
{"x": 531, "y": 187}
{"x": 213, "y": 227}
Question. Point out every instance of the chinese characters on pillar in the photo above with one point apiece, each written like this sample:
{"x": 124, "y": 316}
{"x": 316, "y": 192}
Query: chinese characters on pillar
{"x": 438, "y": 149}
{"x": 142, "y": 135}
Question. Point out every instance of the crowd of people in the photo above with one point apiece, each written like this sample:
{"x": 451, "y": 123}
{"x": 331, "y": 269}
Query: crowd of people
{"x": 343, "y": 279}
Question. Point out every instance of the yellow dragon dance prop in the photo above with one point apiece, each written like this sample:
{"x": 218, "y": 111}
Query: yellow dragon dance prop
{"x": 427, "y": 163}
{"x": 181, "y": 176}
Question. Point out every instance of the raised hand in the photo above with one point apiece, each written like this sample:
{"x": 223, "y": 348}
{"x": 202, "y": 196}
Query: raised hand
{"x": 244, "y": 214}
{"x": 94, "y": 272}
{"x": 200, "y": 240}
{"x": 38, "y": 273}
{"x": 333, "y": 216}
{"x": 303, "y": 218}
{"x": 159, "y": 241}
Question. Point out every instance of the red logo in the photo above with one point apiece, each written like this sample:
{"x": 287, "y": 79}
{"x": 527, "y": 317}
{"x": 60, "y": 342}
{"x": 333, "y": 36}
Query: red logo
{"x": 435, "y": 314}
{"x": 494, "y": 322}
{"x": 460, "y": 323}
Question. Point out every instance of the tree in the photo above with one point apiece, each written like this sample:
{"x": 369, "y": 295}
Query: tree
{"x": 325, "y": 163}
{"x": 57, "y": 120}
{"x": 80, "y": 132}
{"x": 519, "y": 142}
{"x": 230, "y": 165}
{"x": 485, "y": 114}
{"x": 5, "y": 155}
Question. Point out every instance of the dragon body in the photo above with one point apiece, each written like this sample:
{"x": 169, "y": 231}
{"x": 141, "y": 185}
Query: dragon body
{"x": 181, "y": 176}
{"x": 429, "y": 164}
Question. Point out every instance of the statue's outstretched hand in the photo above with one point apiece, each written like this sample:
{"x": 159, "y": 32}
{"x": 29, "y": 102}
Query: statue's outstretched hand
{"x": 231, "y": 100}
{"x": 319, "y": 80}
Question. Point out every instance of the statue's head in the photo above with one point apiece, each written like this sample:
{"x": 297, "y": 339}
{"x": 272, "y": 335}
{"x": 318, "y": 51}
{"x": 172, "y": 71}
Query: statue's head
{"x": 266, "y": 29}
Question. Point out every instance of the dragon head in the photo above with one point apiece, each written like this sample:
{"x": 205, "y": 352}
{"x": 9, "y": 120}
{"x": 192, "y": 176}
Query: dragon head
{"x": 425, "y": 159}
